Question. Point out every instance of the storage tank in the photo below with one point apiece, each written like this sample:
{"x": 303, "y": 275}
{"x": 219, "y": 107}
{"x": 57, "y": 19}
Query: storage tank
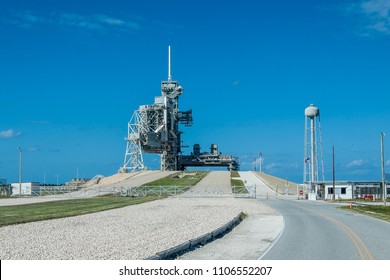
{"x": 196, "y": 149}
{"x": 312, "y": 111}
{"x": 214, "y": 149}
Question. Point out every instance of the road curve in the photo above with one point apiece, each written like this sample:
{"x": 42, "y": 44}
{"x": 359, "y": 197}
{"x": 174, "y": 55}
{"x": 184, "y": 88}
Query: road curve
{"x": 320, "y": 231}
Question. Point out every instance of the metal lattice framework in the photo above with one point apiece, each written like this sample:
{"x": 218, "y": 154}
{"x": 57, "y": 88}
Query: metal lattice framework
{"x": 155, "y": 129}
{"x": 133, "y": 156}
{"x": 313, "y": 157}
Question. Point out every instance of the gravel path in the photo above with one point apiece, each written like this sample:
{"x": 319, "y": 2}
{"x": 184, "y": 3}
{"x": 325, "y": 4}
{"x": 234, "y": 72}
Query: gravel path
{"x": 133, "y": 232}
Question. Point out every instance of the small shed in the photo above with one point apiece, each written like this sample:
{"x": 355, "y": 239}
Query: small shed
{"x": 343, "y": 190}
{"x": 29, "y": 188}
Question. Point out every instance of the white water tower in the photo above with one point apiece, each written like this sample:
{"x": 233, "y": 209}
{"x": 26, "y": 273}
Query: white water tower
{"x": 313, "y": 171}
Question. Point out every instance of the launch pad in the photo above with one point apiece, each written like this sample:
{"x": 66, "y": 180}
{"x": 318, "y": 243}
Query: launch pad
{"x": 155, "y": 129}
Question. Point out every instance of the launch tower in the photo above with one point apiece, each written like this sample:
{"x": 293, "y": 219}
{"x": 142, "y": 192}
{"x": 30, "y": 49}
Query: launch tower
{"x": 155, "y": 128}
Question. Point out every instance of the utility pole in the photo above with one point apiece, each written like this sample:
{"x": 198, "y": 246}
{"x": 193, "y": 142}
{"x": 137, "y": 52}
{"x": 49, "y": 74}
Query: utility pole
{"x": 20, "y": 170}
{"x": 286, "y": 190}
{"x": 383, "y": 170}
{"x": 44, "y": 183}
{"x": 333, "y": 175}
{"x": 261, "y": 161}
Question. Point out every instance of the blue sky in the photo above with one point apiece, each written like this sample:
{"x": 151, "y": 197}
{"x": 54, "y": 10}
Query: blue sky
{"x": 73, "y": 72}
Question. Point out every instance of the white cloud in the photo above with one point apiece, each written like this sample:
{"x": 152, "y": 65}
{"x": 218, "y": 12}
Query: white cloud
{"x": 378, "y": 8}
{"x": 287, "y": 165}
{"x": 374, "y": 16}
{"x": 97, "y": 22}
{"x": 79, "y": 21}
{"x": 33, "y": 149}
{"x": 272, "y": 166}
{"x": 10, "y": 133}
{"x": 24, "y": 19}
{"x": 356, "y": 162}
{"x": 360, "y": 172}
{"x": 127, "y": 24}
{"x": 71, "y": 20}
{"x": 378, "y": 13}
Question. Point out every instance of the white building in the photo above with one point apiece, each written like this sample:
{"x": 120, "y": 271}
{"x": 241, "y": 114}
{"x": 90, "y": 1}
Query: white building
{"x": 352, "y": 189}
{"x": 30, "y": 188}
{"x": 342, "y": 191}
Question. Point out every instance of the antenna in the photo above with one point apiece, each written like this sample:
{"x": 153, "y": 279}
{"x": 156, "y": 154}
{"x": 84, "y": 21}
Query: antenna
{"x": 169, "y": 64}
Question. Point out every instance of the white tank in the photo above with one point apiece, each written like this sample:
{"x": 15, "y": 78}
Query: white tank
{"x": 312, "y": 111}
{"x": 214, "y": 149}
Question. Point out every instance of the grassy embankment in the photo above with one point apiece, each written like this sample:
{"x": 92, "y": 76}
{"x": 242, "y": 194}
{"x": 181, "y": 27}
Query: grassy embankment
{"x": 180, "y": 179}
{"x": 66, "y": 208}
{"x": 237, "y": 184}
{"x": 376, "y": 211}
{"x": 26, "y": 213}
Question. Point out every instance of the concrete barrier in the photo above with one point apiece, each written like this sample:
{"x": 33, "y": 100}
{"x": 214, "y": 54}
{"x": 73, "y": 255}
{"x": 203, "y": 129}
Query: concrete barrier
{"x": 180, "y": 249}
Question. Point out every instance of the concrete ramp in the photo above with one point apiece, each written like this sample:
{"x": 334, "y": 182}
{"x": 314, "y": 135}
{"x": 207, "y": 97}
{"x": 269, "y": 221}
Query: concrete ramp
{"x": 263, "y": 191}
{"x": 282, "y": 186}
{"x": 216, "y": 183}
{"x": 144, "y": 178}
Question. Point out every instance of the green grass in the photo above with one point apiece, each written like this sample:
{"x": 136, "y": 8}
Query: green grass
{"x": 376, "y": 211}
{"x": 237, "y": 184}
{"x": 236, "y": 189}
{"x": 64, "y": 208}
{"x": 174, "y": 180}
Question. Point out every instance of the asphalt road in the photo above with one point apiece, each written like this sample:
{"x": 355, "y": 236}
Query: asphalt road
{"x": 316, "y": 230}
